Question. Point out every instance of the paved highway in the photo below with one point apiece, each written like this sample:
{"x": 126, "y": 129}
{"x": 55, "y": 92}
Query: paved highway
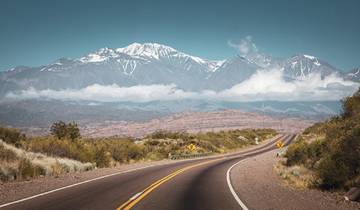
{"x": 191, "y": 184}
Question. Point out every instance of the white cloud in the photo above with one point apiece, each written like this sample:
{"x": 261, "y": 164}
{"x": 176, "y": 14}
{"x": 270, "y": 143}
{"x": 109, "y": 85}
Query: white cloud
{"x": 245, "y": 46}
{"x": 107, "y": 93}
{"x": 270, "y": 85}
{"x": 263, "y": 85}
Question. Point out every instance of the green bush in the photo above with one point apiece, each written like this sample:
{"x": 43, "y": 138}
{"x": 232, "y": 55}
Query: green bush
{"x": 297, "y": 153}
{"x": 333, "y": 172}
{"x": 102, "y": 157}
{"x": 335, "y": 159}
{"x": 62, "y": 130}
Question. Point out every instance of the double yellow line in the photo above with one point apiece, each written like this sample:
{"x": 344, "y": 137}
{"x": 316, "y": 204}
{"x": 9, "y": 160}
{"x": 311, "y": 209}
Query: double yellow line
{"x": 138, "y": 197}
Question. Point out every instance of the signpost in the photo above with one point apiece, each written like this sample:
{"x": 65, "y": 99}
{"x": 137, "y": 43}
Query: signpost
{"x": 191, "y": 147}
{"x": 280, "y": 144}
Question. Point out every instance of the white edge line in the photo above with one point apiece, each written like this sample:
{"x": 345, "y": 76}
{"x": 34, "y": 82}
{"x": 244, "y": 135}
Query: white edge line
{"x": 114, "y": 174}
{"x": 90, "y": 180}
{"x": 242, "y": 205}
{"x": 76, "y": 184}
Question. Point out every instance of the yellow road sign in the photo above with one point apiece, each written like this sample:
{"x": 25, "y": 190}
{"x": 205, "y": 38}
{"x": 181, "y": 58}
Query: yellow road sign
{"x": 280, "y": 144}
{"x": 191, "y": 147}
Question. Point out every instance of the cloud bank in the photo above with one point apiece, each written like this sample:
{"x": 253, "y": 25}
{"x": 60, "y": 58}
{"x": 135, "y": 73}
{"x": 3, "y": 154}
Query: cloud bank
{"x": 263, "y": 85}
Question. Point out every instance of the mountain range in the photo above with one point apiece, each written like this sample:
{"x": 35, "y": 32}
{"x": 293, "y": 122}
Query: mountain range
{"x": 152, "y": 63}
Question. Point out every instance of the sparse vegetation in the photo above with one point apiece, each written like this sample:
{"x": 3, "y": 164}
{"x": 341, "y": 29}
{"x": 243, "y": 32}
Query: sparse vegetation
{"x": 46, "y": 155}
{"x": 11, "y": 136}
{"x": 62, "y": 130}
{"x": 332, "y": 149}
{"x": 17, "y": 164}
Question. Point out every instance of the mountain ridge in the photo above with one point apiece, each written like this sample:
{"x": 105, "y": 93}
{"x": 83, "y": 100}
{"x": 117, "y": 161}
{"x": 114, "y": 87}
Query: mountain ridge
{"x": 153, "y": 63}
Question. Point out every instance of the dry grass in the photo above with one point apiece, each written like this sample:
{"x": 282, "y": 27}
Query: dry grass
{"x": 296, "y": 176}
{"x": 16, "y": 163}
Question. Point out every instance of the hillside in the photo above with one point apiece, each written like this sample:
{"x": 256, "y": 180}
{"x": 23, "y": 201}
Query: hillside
{"x": 330, "y": 150}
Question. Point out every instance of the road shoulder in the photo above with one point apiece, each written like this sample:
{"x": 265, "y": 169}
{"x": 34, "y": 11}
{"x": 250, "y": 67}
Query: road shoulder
{"x": 259, "y": 187}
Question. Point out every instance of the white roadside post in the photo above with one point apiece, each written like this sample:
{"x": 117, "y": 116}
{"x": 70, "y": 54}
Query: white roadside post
{"x": 256, "y": 140}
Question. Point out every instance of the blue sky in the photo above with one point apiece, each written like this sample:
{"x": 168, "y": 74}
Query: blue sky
{"x": 35, "y": 32}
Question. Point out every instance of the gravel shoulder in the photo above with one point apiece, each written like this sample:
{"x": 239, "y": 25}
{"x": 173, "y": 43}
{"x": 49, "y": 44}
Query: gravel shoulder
{"x": 259, "y": 187}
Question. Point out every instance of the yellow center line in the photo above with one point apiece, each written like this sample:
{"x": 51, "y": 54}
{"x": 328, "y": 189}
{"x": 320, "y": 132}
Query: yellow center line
{"x": 138, "y": 197}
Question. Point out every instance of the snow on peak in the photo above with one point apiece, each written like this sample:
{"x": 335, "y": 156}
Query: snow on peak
{"x": 303, "y": 59}
{"x": 310, "y": 57}
{"x": 355, "y": 73}
{"x": 148, "y": 50}
{"x": 158, "y": 51}
{"x": 100, "y": 55}
{"x": 313, "y": 59}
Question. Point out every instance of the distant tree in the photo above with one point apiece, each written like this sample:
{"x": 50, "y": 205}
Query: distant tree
{"x": 73, "y": 132}
{"x": 59, "y": 129}
{"x": 62, "y": 130}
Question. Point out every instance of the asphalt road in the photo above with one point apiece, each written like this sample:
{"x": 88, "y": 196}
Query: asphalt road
{"x": 191, "y": 184}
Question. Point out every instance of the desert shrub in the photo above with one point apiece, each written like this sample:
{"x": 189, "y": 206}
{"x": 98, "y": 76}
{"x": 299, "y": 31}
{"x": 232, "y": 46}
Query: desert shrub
{"x": 315, "y": 151}
{"x": 152, "y": 142}
{"x": 27, "y": 170}
{"x": 8, "y": 173}
{"x": 297, "y": 153}
{"x": 62, "y": 130}
{"x": 162, "y": 134}
{"x": 11, "y": 136}
{"x": 73, "y": 132}
{"x": 317, "y": 128}
{"x": 333, "y": 172}
{"x": 7, "y": 170}
{"x": 342, "y": 162}
{"x": 29, "y": 164}
{"x": 351, "y": 105}
{"x": 78, "y": 150}
{"x": 154, "y": 156}
{"x": 7, "y": 155}
{"x": 58, "y": 129}
{"x": 102, "y": 157}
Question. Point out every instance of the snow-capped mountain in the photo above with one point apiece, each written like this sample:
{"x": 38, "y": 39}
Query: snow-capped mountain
{"x": 353, "y": 75}
{"x": 137, "y": 53}
{"x": 145, "y": 64}
{"x": 300, "y": 66}
{"x": 262, "y": 60}
{"x": 152, "y": 63}
{"x": 233, "y": 71}
{"x": 148, "y": 64}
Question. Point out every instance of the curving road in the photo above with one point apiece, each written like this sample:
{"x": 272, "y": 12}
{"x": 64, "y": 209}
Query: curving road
{"x": 191, "y": 184}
